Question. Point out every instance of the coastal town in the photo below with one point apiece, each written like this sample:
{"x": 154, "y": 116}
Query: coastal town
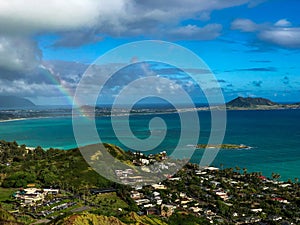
{"x": 203, "y": 195}
{"x": 149, "y": 112}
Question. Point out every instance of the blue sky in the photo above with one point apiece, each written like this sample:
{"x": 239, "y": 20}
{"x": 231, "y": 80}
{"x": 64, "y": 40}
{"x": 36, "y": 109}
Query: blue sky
{"x": 251, "y": 46}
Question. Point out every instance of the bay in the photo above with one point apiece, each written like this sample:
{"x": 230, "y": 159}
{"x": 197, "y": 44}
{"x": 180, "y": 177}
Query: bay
{"x": 274, "y": 136}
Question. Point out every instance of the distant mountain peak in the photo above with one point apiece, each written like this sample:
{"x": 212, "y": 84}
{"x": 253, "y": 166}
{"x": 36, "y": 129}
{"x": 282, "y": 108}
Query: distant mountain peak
{"x": 250, "y": 102}
{"x": 14, "y": 102}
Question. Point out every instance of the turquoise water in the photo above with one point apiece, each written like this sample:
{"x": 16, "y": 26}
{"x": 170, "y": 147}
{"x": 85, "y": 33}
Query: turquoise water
{"x": 275, "y": 136}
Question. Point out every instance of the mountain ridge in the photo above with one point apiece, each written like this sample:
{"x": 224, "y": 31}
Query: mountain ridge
{"x": 249, "y": 102}
{"x": 14, "y": 102}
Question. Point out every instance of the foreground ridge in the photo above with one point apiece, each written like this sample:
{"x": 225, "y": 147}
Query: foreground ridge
{"x": 58, "y": 187}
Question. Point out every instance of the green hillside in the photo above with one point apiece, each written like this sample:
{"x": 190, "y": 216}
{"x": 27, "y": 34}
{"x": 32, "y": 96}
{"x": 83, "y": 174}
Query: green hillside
{"x": 57, "y": 168}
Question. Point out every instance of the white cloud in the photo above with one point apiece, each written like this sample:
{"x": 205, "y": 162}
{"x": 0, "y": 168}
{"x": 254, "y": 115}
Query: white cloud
{"x": 286, "y": 37}
{"x": 254, "y": 3}
{"x": 31, "y": 16}
{"x": 113, "y": 17}
{"x": 80, "y": 22}
{"x": 283, "y": 23}
{"x": 281, "y": 33}
{"x": 23, "y": 88}
{"x": 193, "y": 32}
{"x": 244, "y": 25}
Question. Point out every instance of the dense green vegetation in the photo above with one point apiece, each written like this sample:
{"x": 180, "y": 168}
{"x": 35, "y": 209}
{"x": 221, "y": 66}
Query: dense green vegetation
{"x": 57, "y": 168}
{"x": 5, "y": 216}
{"x": 250, "y": 103}
{"x": 186, "y": 219}
{"x": 68, "y": 171}
{"x": 131, "y": 218}
{"x": 108, "y": 204}
{"x": 134, "y": 219}
{"x": 5, "y": 193}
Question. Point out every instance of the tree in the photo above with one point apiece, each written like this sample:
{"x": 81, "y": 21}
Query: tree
{"x": 275, "y": 176}
{"x": 19, "y": 179}
{"x": 222, "y": 166}
{"x": 245, "y": 171}
{"x": 48, "y": 178}
{"x": 237, "y": 169}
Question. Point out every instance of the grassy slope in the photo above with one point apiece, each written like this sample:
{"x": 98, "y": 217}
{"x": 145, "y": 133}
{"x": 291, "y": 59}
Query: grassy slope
{"x": 5, "y": 193}
{"x": 6, "y": 218}
{"x": 108, "y": 204}
{"x": 87, "y": 219}
{"x": 62, "y": 168}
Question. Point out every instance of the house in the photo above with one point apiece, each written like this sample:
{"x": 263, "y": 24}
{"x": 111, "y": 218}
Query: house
{"x": 152, "y": 211}
{"x": 195, "y": 209}
{"x": 145, "y": 161}
{"x": 136, "y": 195}
{"x": 256, "y": 210}
{"x": 182, "y": 195}
{"x": 148, "y": 205}
{"x": 215, "y": 183}
{"x": 222, "y": 195}
{"x": 167, "y": 210}
{"x": 275, "y": 218}
{"x": 142, "y": 201}
{"x": 281, "y": 200}
{"x": 285, "y": 185}
{"x": 155, "y": 194}
{"x": 263, "y": 178}
{"x": 30, "y": 185}
{"x": 208, "y": 212}
{"x": 210, "y": 168}
{"x": 30, "y": 196}
{"x": 159, "y": 186}
{"x": 199, "y": 172}
{"x": 95, "y": 191}
{"x": 158, "y": 201}
{"x": 51, "y": 191}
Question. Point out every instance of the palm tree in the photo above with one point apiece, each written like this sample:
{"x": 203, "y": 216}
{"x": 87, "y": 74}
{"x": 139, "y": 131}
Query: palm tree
{"x": 237, "y": 169}
{"x": 245, "y": 171}
{"x": 275, "y": 176}
{"x": 222, "y": 166}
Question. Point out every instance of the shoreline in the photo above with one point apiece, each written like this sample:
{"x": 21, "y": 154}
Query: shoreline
{"x": 11, "y": 120}
{"x": 204, "y": 109}
{"x": 212, "y": 165}
{"x": 30, "y": 118}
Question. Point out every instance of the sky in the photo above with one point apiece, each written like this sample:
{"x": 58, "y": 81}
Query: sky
{"x": 250, "y": 46}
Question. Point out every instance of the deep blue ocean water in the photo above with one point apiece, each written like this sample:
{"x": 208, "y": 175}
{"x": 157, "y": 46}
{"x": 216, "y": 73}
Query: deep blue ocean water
{"x": 274, "y": 136}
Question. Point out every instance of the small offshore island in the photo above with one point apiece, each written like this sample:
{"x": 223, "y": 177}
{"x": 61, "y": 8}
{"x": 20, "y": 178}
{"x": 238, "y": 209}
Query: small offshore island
{"x": 241, "y": 103}
{"x": 224, "y": 146}
{"x": 59, "y": 187}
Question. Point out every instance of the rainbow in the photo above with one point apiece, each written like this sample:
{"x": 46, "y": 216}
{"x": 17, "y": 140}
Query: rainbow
{"x": 62, "y": 87}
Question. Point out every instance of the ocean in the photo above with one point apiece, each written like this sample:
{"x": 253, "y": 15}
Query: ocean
{"x": 274, "y": 136}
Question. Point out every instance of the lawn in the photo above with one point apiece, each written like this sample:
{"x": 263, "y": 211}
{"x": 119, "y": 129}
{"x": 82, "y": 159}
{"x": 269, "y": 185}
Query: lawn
{"x": 5, "y": 193}
{"x": 108, "y": 204}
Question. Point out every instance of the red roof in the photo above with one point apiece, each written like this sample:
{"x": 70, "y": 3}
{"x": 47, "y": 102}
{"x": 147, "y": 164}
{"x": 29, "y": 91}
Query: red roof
{"x": 262, "y": 177}
{"x": 277, "y": 199}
